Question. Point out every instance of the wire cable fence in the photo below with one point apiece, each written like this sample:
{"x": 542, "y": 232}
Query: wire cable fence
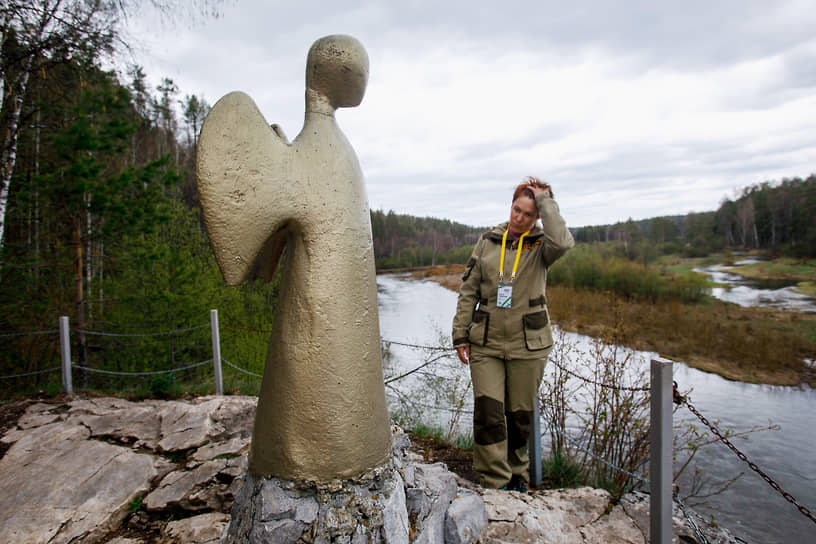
{"x": 681, "y": 400}
{"x": 26, "y": 374}
{"x": 132, "y": 373}
{"x": 575, "y": 444}
{"x": 30, "y": 333}
{"x": 677, "y": 398}
{"x": 141, "y": 335}
{"x": 242, "y": 370}
{"x": 216, "y": 361}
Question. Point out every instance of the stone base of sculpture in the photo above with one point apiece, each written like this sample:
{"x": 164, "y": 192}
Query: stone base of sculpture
{"x": 401, "y": 502}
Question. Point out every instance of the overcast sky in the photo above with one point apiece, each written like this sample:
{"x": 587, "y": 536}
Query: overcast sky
{"x": 628, "y": 108}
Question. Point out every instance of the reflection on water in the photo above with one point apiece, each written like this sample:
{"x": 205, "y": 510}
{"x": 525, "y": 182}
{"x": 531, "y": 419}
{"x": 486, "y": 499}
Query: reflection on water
{"x": 420, "y": 312}
{"x": 748, "y": 292}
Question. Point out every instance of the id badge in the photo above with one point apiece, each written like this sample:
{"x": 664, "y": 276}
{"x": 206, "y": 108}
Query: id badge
{"x": 505, "y": 296}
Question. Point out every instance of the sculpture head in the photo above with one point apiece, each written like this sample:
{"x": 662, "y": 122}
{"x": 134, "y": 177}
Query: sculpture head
{"x": 337, "y": 70}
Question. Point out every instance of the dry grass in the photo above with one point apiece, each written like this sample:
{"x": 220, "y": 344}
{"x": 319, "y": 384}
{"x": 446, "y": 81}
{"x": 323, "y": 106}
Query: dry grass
{"x": 446, "y": 275}
{"x": 756, "y": 345}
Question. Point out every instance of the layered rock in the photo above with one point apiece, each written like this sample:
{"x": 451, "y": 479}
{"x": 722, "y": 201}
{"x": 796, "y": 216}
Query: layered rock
{"x": 107, "y": 470}
{"x": 401, "y": 502}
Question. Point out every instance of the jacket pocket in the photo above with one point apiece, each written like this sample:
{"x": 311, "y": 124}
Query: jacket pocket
{"x": 477, "y": 333}
{"x": 537, "y": 331}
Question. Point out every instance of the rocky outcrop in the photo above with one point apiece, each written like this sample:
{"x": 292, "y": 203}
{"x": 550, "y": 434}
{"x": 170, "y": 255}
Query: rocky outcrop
{"x": 580, "y": 516}
{"x": 106, "y": 470}
{"x": 401, "y": 502}
{"x": 92, "y": 468}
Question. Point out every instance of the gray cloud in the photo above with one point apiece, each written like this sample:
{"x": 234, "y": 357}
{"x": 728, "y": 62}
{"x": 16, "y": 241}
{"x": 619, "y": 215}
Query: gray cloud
{"x": 637, "y": 108}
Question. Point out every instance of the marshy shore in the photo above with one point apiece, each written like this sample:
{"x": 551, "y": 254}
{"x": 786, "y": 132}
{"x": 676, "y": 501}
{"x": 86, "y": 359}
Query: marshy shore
{"x": 754, "y": 345}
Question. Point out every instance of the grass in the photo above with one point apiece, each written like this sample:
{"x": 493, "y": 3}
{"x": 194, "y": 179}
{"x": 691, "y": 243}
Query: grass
{"x": 807, "y": 288}
{"x": 559, "y": 471}
{"x": 803, "y": 270}
{"x": 755, "y": 345}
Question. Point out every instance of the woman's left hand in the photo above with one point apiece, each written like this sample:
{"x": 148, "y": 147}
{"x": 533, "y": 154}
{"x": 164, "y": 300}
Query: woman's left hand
{"x": 464, "y": 354}
{"x": 536, "y": 190}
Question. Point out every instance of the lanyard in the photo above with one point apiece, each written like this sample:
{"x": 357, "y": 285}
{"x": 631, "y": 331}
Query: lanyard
{"x": 518, "y": 254}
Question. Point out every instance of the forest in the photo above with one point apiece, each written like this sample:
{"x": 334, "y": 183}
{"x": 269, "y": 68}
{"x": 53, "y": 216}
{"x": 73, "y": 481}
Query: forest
{"x": 776, "y": 217}
{"x": 773, "y": 216}
{"x": 98, "y": 210}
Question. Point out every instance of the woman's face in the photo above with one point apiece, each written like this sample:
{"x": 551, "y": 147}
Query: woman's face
{"x": 523, "y": 214}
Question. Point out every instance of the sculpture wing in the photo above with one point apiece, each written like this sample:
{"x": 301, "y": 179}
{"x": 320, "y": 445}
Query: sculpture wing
{"x": 241, "y": 176}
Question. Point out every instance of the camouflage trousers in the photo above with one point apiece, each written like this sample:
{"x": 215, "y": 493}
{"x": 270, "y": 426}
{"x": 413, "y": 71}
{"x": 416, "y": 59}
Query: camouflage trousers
{"x": 504, "y": 391}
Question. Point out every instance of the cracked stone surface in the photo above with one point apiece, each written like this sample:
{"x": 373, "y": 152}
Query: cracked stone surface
{"x": 75, "y": 471}
{"x": 580, "y": 516}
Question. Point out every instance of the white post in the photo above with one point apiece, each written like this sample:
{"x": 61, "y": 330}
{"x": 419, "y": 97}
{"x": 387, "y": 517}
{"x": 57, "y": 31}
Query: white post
{"x": 660, "y": 454}
{"x": 65, "y": 354}
{"x": 216, "y": 345}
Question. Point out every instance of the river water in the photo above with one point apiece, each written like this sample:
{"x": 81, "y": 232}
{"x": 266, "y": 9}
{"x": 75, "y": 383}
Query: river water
{"x": 420, "y": 313}
{"x": 744, "y": 291}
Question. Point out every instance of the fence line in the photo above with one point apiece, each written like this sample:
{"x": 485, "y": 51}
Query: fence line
{"x": 31, "y": 333}
{"x": 29, "y": 373}
{"x": 429, "y": 348}
{"x": 660, "y": 431}
{"x": 683, "y": 401}
{"x": 598, "y": 458}
{"x": 138, "y": 335}
{"x": 151, "y": 373}
{"x": 239, "y": 369}
{"x": 438, "y": 408}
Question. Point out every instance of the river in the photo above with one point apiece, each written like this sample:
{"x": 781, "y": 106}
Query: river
{"x": 420, "y": 313}
{"x": 779, "y": 294}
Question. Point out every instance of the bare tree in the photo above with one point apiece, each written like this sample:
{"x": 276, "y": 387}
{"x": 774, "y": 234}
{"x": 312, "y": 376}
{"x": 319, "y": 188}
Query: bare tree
{"x": 36, "y": 34}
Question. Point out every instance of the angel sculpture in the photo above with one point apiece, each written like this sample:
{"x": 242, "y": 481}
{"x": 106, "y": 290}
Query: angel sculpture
{"x": 321, "y": 413}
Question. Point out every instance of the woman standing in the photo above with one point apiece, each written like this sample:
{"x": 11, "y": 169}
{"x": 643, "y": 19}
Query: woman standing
{"x": 502, "y": 330}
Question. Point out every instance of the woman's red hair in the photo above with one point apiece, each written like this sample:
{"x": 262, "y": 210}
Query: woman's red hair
{"x": 524, "y": 188}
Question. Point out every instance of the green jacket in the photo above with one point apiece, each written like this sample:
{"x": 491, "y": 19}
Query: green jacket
{"x": 522, "y": 331}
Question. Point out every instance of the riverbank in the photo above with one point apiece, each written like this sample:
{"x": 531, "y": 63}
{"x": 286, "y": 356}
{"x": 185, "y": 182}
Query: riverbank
{"x": 753, "y": 345}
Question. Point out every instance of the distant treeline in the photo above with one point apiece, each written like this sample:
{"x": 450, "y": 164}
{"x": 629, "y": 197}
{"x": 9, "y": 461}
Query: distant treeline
{"x": 773, "y": 216}
{"x": 779, "y": 217}
{"x": 404, "y": 240}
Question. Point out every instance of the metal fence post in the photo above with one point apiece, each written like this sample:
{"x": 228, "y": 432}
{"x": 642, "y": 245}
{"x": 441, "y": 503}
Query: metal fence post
{"x": 65, "y": 354}
{"x": 534, "y": 445}
{"x": 216, "y": 345}
{"x": 660, "y": 454}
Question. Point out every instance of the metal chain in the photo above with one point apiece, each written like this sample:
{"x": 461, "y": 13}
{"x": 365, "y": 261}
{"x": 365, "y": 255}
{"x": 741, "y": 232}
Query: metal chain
{"x": 598, "y": 458}
{"x": 432, "y": 407}
{"x": 30, "y": 373}
{"x": 166, "y": 333}
{"x": 598, "y": 384}
{"x": 681, "y": 400}
{"x": 431, "y": 348}
{"x": 239, "y": 369}
{"x": 155, "y": 373}
{"x": 32, "y": 333}
{"x": 700, "y": 537}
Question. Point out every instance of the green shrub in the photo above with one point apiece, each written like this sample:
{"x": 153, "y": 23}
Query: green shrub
{"x": 559, "y": 471}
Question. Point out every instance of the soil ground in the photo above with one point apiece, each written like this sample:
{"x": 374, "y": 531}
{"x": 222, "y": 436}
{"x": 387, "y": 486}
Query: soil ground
{"x": 458, "y": 461}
